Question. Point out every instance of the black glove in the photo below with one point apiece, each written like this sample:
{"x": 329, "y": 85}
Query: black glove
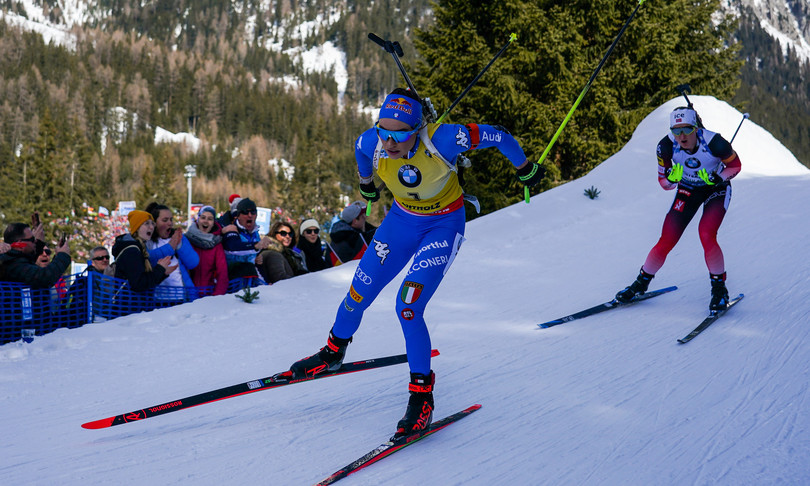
{"x": 369, "y": 191}
{"x": 531, "y": 173}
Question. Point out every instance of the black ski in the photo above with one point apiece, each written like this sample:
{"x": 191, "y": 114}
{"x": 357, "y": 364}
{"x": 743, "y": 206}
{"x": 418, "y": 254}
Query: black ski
{"x": 275, "y": 381}
{"x": 713, "y": 316}
{"x": 606, "y": 306}
{"x": 387, "y": 448}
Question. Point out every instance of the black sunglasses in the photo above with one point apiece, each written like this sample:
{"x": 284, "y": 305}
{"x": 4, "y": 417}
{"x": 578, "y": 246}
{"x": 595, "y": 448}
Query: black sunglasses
{"x": 30, "y": 240}
{"x": 310, "y": 231}
{"x": 99, "y": 258}
{"x": 249, "y": 211}
{"x": 284, "y": 233}
{"x": 47, "y": 251}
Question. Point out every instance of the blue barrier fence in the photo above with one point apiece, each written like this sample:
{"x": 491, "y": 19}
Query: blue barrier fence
{"x": 87, "y": 297}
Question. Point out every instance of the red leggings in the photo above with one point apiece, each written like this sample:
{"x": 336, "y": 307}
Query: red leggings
{"x": 715, "y": 200}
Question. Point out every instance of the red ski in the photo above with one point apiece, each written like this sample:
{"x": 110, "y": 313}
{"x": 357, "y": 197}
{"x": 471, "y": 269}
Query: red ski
{"x": 387, "y": 448}
{"x": 275, "y": 381}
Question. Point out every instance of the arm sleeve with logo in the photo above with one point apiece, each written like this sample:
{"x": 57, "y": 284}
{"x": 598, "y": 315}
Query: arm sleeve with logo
{"x": 451, "y": 140}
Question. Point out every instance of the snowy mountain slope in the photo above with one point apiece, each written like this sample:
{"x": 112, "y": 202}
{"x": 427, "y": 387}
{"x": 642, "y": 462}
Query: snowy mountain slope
{"x": 607, "y": 400}
{"x": 787, "y": 21}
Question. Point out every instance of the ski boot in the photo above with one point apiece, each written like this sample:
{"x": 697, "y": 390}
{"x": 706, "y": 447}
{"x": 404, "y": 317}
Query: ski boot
{"x": 638, "y": 287}
{"x": 719, "y": 292}
{"x": 419, "y": 413}
{"x": 329, "y": 358}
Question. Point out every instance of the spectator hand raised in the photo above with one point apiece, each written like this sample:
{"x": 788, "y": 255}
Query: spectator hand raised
{"x": 64, "y": 247}
{"x": 176, "y": 239}
{"x": 39, "y": 232}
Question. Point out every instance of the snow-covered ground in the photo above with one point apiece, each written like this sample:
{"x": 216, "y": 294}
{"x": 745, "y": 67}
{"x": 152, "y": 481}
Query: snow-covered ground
{"x": 609, "y": 400}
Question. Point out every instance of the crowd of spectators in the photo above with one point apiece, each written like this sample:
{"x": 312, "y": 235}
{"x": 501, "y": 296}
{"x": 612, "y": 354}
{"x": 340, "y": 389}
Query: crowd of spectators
{"x": 156, "y": 257}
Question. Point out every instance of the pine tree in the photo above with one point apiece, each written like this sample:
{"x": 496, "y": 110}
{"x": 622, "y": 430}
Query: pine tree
{"x": 531, "y": 88}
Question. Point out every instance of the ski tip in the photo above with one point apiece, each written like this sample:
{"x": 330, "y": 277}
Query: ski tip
{"x": 99, "y": 424}
{"x": 434, "y": 353}
{"x": 474, "y": 407}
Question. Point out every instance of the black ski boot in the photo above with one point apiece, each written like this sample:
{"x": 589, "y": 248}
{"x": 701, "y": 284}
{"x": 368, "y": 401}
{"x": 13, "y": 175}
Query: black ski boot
{"x": 719, "y": 292}
{"x": 638, "y": 287}
{"x": 419, "y": 413}
{"x": 329, "y": 358}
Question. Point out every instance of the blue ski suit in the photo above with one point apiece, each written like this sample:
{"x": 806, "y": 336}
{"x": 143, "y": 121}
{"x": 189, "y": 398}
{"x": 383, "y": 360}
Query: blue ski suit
{"x": 426, "y": 223}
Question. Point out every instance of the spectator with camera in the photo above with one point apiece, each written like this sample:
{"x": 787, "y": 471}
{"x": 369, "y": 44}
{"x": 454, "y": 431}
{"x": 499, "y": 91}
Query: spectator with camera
{"x": 18, "y": 264}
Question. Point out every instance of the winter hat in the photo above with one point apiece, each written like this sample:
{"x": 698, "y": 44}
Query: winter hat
{"x": 403, "y": 108}
{"x": 232, "y": 197}
{"x": 235, "y": 203}
{"x": 352, "y": 211}
{"x": 246, "y": 205}
{"x": 136, "y": 218}
{"x": 681, "y": 116}
{"x": 309, "y": 223}
{"x": 207, "y": 209}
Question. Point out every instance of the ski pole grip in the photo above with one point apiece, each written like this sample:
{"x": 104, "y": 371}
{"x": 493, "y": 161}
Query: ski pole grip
{"x": 376, "y": 39}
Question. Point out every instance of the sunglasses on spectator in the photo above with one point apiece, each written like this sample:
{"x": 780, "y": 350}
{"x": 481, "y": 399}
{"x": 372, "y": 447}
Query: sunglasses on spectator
{"x": 249, "y": 211}
{"x": 30, "y": 240}
{"x": 99, "y": 258}
{"x": 310, "y": 231}
{"x": 682, "y": 130}
{"x": 284, "y": 233}
{"x": 395, "y": 135}
{"x": 47, "y": 251}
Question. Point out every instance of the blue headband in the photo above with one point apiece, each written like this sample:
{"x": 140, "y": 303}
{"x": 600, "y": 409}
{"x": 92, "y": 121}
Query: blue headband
{"x": 403, "y": 108}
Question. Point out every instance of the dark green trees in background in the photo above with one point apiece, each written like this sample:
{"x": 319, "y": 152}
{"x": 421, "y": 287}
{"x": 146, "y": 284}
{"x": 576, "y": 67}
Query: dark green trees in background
{"x": 775, "y": 88}
{"x": 532, "y": 87}
{"x": 55, "y": 172}
{"x": 147, "y": 66}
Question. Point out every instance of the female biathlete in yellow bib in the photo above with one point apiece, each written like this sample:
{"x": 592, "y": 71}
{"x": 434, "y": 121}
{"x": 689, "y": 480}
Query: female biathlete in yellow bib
{"x": 415, "y": 160}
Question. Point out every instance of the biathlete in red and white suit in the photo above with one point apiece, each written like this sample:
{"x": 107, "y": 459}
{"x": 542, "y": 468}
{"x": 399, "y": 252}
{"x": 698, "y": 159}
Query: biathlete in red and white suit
{"x": 699, "y": 164}
{"x": 416, "y": 162}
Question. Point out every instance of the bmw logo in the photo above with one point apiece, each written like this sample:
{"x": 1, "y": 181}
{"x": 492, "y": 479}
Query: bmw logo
{"x": 409, "y": 176}
{"x": 692, "y": 163}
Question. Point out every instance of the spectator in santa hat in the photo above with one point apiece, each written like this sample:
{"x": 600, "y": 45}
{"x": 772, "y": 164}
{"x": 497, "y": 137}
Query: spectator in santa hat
{"x": 228, "y": 217}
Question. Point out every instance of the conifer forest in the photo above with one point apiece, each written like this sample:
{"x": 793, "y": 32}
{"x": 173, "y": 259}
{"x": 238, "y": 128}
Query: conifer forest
{"x": 77, "y": 122}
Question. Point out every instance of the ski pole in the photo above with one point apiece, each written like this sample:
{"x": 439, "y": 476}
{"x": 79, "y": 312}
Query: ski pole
{"x": 582, "y": 94}
{"x": 745, "y": 116}
{"x": 395, "y": 50}
{"x": 477, "y": 77}
{"x": 682, "y": 89}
